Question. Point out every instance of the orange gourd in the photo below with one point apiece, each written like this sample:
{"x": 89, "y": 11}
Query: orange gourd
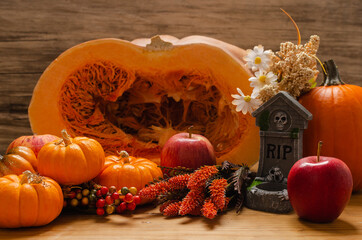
{"x": 71, "y": 161}
{"x": 29, "y": 200}
{"x": 17, "y": 160}
{"x": 136, "y": 95}
{"x": 128, "y": 171}
{"x": 337, "y": 121}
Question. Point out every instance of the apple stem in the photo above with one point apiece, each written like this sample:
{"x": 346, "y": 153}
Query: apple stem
{"x": 320, "y": 143}
{"x": 190, "y": 130}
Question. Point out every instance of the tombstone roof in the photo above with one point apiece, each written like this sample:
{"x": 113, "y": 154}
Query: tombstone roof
{"x": 289, "y": 100}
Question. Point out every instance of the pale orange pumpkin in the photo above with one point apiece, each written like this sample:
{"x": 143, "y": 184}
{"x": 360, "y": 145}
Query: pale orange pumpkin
{"x": 29, "y": 200}
{"x": 71, "y": 161}
{"x": 17, "y": 160}
{"x": 136, "y": 95}
{"x": 128, "y": 171}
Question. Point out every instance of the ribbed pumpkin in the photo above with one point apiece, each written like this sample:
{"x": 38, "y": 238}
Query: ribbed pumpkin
{"x": 72, "y": 160}
{"x": 337, "y": 121}
{"x": 135, "y": 95}
{"x": 17, "y": 160}
{"x": 128, "y": 171}
{"x": 29, "y": 200}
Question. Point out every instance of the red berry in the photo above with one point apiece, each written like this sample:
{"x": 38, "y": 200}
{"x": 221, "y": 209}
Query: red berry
{"x": 100, "y": 211}
{"x": 115, "y": 195}
{"x": 99, "y": 193}
{"x": 131, "y": 206}
{"x": 104, "y": 190}
{"x": 109, "y": 200}
{"x": 100, "y": 203}
{"x": 128, "y": 198}
{"x": 121, "y": 207}
{"x": 78, "y": 191}
{"x": 137, "y": 199}
{"x": 72, "y": 194}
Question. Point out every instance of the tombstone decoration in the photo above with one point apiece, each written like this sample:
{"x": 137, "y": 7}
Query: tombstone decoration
{"x": 281, "y": 120}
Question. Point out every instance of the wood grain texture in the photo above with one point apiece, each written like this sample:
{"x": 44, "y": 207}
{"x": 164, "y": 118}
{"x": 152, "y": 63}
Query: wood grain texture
{"x": 33, "y": 33}
{"x": 148, "y": 223}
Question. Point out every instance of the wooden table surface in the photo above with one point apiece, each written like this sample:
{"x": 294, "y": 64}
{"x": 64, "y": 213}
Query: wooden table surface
{"x": 33, "y": 33}
{"x": 148, "y": 223}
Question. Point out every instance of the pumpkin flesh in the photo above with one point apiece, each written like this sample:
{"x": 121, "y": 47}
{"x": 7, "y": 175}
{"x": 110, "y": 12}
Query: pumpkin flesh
{"x": 127, "y": 97}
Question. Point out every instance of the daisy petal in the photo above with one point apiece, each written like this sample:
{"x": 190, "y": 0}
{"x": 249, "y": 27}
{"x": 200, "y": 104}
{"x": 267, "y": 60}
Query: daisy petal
{"x": 240, "y": 92}
{"x": 236, "y": 96}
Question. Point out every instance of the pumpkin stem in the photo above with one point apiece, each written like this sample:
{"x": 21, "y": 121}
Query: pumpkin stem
{"x": 29, "y": 177}
{"x": 332, "y": 77}
{"x": 189, "y": 130}
{"x": 124, "y": 155}
{"x": 66, "y": 137}
{"x": 295, "y": 25}
{"x": 320, "y": 143}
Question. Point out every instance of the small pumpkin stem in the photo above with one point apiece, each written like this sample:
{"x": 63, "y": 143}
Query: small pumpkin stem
{"x": 320, "y": 143}
{"x": 124, "y": 155}
{"x": 29, "y": 177}
{"x": 66, "y": 137}
{"x": 332, "y": 77}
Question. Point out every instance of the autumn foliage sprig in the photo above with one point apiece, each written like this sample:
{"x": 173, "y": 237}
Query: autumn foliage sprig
{"x": 204, "y": 192}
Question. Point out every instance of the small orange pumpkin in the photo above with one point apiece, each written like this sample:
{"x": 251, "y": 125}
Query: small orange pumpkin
{"x": 29, "y": 200}
{"x": 71, "y": 161}
{"x": 128, "y": 171}
{"x": 17, "y": 160}
{"x": 337, "y": 121}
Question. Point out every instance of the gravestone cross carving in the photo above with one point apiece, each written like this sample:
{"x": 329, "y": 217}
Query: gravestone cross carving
{"x": 281, "y": 120}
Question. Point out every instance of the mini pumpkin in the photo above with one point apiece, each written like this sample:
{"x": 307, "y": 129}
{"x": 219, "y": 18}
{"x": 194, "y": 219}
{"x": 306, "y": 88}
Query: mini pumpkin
{"x": 17, "y": 160}
{"x": 337, "y": 121}
{"x": 128, "y": 171}
{"x": 29, "y": 200}
{"x": 72, "y": 160}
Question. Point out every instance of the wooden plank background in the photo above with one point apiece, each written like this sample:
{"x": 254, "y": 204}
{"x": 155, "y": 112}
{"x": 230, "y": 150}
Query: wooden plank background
{"x": 33, "y": 33}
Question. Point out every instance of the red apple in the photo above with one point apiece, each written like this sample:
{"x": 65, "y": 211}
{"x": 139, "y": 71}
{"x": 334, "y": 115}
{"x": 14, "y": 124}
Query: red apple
{"x": 35, "y": 142}
{"x": 187, "y": 150}
{"x": 319, "y": 188}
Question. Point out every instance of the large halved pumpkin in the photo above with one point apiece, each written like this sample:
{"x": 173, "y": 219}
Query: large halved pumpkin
{"x": 136, "y": 95}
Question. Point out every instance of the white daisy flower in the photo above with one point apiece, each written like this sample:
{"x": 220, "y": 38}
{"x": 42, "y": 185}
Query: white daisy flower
{"x": 258, "y": 59}
{"x": 261, "y": 79}
{"x": 245, "y": 103}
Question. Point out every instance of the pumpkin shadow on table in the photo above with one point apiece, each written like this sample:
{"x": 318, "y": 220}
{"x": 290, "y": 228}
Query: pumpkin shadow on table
{"x": 337, "y": 227}
{"x": 27, "y": 232}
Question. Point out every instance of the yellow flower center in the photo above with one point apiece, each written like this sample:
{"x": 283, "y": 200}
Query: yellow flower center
{"x": 247, "y": 98}
{"x": 257, "y": 60}
{"x": 262, "y": 78}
